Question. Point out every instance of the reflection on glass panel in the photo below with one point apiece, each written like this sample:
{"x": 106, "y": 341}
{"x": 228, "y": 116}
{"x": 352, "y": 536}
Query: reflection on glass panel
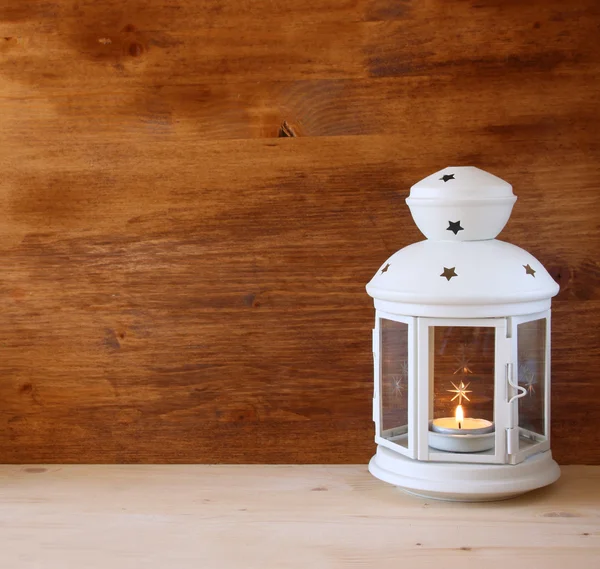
{"x": 394, "y": 381}
{"x": 531, "y": 342}
{"x": 462, "y": 367}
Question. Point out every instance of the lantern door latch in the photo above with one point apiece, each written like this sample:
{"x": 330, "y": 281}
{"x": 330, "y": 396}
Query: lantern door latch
{"x": 521, "y": 391}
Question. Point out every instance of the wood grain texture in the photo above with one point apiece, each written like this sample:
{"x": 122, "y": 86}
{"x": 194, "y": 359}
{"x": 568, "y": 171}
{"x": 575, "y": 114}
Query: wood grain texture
{"x": 194, "y": 194}
{"x": 263, "y": 517}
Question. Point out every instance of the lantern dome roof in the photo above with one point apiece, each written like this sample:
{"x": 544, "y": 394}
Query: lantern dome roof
{"x": 461, "y": 270}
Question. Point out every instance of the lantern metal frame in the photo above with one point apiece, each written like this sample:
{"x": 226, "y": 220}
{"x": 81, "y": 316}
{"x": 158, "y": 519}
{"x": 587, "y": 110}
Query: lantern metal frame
{"x": 420, "y": 396}
{"x": 495, "y": 297}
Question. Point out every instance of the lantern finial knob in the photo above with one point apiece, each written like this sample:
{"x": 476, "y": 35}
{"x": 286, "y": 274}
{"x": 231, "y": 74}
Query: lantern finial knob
{"x": 461, "y": 203}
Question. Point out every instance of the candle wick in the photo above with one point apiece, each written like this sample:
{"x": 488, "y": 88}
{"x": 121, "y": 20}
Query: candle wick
{"x": 459, "y": 426}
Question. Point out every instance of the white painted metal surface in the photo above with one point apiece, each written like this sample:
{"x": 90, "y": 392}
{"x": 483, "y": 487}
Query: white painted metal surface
{"x": 461, "y": 276}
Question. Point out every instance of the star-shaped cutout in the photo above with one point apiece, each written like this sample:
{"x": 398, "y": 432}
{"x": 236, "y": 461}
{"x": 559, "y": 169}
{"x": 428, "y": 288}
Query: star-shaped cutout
{"x": 447, "y": 177}
{"x": 384, "y": 270}
{"x": 527, "y": 379}
{"x": 398, "y": 382}
{"x": 404, "y": 371}
{"x": 464, "y": 361}
{"x": 397, "y": 386}
{"x": 463, "y": 367}
{"x": 454, "y": 227}
{"x": 529, "y": 270}
{"x": 461, "y": 391}
{"x": 449, "y": 273}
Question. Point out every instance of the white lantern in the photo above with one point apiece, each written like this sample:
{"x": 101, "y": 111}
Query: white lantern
{"x": 462, "y": 349}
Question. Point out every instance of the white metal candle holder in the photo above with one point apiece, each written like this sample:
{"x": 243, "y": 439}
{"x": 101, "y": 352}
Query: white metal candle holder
{"x": 461, "y": 349}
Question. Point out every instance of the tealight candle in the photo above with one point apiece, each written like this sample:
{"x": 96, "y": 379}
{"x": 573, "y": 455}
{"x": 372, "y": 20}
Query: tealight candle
{"x": 461, "y": 434}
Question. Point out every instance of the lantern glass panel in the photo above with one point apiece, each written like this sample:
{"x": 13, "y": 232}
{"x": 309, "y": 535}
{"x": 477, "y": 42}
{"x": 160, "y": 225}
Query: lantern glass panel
{"x": 531, "y": 348}
{"x": 394, "y": 381}
{"x": 462, "y": 371}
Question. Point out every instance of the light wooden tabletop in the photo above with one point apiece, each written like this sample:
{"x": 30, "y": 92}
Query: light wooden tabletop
{"x": 308, "y": 517}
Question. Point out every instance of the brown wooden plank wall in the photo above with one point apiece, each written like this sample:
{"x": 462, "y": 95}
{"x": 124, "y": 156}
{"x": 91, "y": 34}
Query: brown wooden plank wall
{"x": 193, "y": 194}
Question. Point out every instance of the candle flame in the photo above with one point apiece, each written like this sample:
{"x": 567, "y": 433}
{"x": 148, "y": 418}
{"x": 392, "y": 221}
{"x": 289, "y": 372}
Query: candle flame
{"x": 459, "y": 415}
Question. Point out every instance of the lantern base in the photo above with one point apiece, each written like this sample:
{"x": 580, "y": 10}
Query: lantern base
{"x": 464, "y": 482}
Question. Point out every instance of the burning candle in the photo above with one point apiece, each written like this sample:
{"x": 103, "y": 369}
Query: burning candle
{"x": 459, "y": 416}
{"x": 461, "y": 434}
